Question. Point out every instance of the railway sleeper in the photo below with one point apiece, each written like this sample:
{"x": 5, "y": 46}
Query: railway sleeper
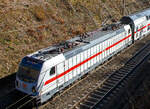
{"x": 89, "y": 102}
{"x": 109, "y": 84}
{"x": 121, "y": 85}
{"x": 132, "y": 75}
{"x": 117, "y": 89}
{"x": 96, "y": 95}
{"x": 120, "y": 74}
{"x": 100, "y": 105}
{"x": 111, "y": 95}
{"x": 107, "y": 87}
{"x": 130, "y": 65}
{"x": 107, "y": 99}
{"x": 104, "y": 101}
{"x": 124, "y": 83}
{"x": 131, "y": 62}
{"x": 99, "y": 93}
{"x": 92, "y": 99}
{"x": 84, "y": 106}
{"x": 140, "y": 57}
{"x": 116, "y": 77}
{"x": 114, "y": 92}
{"x": 134, "y": 60}
{"x": 127, "y": 69}
{"x": 103, "y": 90}
{"x": 124, "y": 71}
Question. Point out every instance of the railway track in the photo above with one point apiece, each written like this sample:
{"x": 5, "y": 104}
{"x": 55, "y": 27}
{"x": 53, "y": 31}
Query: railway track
{"x": 103, "y": 94}
{"x": 140, "y": 97}
{"x": 83, "y": 86}
{"x": 16, "y": 100}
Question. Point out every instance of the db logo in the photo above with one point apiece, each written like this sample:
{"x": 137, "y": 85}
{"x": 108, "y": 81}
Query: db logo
{"x": 24, "y": 85}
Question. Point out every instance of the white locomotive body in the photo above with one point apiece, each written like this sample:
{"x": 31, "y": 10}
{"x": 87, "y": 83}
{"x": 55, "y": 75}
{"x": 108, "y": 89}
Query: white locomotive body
{"x": 47, "y": 71}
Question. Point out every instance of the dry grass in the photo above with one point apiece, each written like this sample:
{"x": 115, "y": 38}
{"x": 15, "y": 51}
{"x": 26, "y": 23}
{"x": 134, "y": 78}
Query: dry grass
{"x": 39, "y": 13}
{"x": 26, "y": 26}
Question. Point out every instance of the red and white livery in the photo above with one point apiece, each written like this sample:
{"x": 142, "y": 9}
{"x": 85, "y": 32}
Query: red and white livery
{"x": 47, "y": 71}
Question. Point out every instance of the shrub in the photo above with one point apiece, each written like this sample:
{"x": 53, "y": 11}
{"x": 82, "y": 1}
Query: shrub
{"x": 58, "y": 19}
{"x": 103, "y": 1}
{"x": 77, "y": 30}
{"x": 40, "y": 13}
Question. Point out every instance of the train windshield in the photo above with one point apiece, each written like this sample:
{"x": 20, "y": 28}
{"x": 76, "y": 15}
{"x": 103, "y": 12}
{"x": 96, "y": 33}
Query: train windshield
{"x": 28, "y": 74}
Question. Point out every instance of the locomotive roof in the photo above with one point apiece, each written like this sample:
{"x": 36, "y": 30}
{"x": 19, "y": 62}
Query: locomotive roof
{"x": 96, "y": 37}
{"x": 79, "y": 43}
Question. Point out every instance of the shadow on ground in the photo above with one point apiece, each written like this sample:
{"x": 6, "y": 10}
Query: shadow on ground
{"x": 7, "y": 84}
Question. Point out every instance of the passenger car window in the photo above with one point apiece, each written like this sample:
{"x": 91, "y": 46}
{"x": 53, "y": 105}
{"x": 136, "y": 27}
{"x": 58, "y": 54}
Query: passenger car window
{"x": 52, "y": 72}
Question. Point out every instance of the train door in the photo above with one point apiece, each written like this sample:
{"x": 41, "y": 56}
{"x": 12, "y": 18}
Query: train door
{"x": 136, "y": 33}
{"x": 147, "y": 24}
{"x": 148, "y": 29}
{"x": 61, "y": 78}
{"x": 50, "y": 83}
{"x": 141, "y": 30}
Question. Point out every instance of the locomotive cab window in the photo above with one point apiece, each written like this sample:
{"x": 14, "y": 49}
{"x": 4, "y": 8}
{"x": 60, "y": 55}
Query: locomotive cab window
{"x": 28, "y": 73}
{"x": 52, "y": 71}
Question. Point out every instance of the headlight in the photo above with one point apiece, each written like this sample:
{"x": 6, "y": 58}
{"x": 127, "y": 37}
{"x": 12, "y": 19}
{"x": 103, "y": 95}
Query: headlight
{"x": 33, "y": 89}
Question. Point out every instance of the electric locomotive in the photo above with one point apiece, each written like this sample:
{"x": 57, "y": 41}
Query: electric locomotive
{"x": 49, "y": 70}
